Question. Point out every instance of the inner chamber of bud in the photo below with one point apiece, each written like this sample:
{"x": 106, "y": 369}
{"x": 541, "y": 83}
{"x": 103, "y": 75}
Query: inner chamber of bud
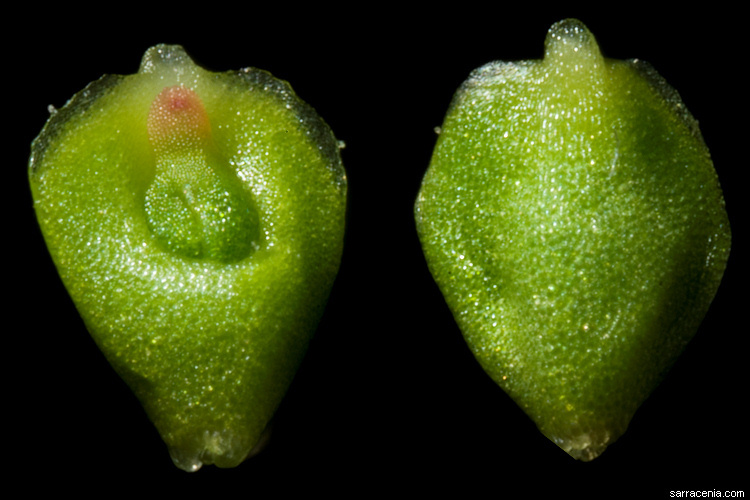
{"x": 196, "y": 206}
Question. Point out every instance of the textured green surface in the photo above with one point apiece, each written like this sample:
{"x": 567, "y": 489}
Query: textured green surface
{"x": 200, "y": 261}
{"x": 573, "y": 220}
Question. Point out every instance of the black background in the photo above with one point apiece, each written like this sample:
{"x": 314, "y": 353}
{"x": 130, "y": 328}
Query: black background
{"x": 388, "y": 399}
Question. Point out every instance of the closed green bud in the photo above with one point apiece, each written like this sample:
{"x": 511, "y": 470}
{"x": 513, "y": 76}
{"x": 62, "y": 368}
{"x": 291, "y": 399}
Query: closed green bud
{"x": 573, "y": 220}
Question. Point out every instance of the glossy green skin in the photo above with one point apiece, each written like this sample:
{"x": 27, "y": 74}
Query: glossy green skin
{"x": 573, "y": 220}
{"x": 208, "y": 342}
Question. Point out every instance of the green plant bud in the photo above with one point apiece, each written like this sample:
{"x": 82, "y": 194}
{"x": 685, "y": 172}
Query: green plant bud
{"x": 573, "y": 220}
{"x": 197, "y": 221}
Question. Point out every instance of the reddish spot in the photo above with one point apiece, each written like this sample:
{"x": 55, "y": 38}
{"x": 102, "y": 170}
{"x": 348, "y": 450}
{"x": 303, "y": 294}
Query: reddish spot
{"x": 177, "y": 118}
{"x": 178, "y": 103}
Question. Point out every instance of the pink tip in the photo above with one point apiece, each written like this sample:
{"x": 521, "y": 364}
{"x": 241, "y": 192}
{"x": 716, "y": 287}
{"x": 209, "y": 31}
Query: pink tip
{"x": 177, "y": 118}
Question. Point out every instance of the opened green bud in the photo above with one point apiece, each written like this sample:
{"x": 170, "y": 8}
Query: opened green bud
{"x": 197, "y": 221}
